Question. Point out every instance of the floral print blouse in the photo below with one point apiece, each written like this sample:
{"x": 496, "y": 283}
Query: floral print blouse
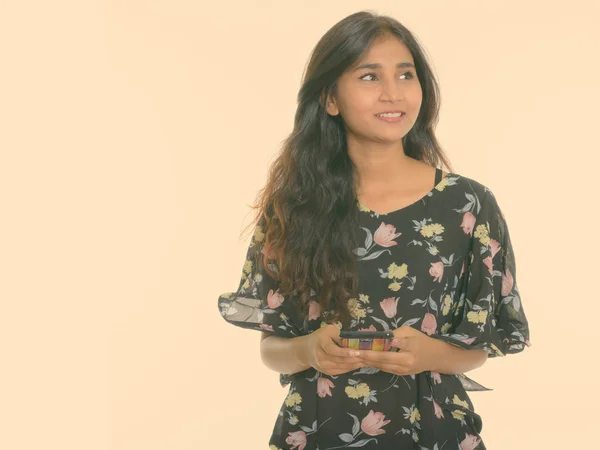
{"x": 443, "y": 265}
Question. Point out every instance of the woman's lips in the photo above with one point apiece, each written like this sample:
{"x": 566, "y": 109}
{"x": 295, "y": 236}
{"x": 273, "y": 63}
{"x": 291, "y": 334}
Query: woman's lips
{"x": 392, "y": 119}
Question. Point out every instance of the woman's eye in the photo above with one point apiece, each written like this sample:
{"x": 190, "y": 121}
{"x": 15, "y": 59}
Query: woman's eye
{"x": 408, "y": 74}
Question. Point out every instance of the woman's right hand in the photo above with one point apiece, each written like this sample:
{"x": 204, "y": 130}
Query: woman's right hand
{"x": 322, "y": 351}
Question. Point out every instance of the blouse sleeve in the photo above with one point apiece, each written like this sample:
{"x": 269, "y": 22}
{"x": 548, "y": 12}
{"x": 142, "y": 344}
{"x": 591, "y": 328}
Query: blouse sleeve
{"x": 257, "y": 303}
{"x": 490, "y": 315}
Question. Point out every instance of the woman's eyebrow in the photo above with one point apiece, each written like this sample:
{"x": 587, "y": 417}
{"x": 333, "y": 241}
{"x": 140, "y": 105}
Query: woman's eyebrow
{"x": 378, "y": 66}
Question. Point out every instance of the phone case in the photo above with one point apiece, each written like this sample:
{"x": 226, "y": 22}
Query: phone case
{"x": 367, "y": 340}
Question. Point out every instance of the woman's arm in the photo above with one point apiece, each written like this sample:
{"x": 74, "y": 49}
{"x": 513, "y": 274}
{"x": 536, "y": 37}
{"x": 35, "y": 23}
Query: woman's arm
{"x": 451, "y": 359}
{"x": 284, "y": 355}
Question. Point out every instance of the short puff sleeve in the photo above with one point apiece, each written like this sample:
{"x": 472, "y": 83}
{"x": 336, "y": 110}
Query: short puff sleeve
{"x": 490, "y": 314}
{"x": 257, "y": 303}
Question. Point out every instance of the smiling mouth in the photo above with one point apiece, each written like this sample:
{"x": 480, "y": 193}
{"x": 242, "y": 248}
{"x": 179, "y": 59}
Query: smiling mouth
{"x": 391, "y": 114}
{"x": 391, "y": 118}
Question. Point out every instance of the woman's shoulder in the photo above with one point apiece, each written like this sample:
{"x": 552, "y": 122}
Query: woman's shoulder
{"x": 479, "y": 196}
{"x": 469, "y": 184}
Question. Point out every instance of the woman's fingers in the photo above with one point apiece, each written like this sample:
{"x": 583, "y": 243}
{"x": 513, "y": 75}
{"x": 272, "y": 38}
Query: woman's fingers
{"x": 341, "y": 360}
{"x": 333, "y": 358}
{"x": 333, "y": 349}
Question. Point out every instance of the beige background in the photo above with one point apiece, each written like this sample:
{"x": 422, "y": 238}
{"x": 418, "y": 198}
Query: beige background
{"x": 135, "y": 133}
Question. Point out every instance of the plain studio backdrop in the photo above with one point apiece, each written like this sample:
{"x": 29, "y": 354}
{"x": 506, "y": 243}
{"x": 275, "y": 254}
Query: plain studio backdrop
{"x": 134, "y": 135}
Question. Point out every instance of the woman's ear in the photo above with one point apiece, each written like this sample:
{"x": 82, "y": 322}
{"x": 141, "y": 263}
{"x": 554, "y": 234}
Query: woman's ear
{"x": 328, "y": 101}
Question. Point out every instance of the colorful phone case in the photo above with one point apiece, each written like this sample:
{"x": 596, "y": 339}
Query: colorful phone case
{"x": 367, "y": 340}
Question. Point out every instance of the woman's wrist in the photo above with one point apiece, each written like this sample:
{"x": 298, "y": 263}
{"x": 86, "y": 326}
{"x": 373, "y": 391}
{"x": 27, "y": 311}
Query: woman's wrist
{"x": 450, "y": 359}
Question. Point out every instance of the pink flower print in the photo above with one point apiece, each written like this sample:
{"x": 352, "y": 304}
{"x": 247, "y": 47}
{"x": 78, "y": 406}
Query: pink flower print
{"x": 385, "y": 235}
{"x": 265, "y": 326}
{"x": 274, "y": 299}
{"x": 371, "y": 328}
{"x": 437, "y": 379}
{"x": 468, "y": 341}
{"x": 488, "y": 262}
{"x": 390, "y": 306}
{"x": 373, "y": 422}
{"x": 507, "y": 282}
{"x": 324, "y": 386}
{"x": 314, "y": 310}
{"x": 437, "y": 410}
{"x": 429, "y": 324}
{"x": 495, "y": 245}
{"x": 296, "y": 439}
{"x": 468, "y": 223}
{"x": 437, "y": 271}
{"x": 470, "y": 442}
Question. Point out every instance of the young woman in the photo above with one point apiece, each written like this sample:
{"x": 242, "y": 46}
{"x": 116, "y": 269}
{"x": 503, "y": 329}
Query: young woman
{"x": 358, "y": 229}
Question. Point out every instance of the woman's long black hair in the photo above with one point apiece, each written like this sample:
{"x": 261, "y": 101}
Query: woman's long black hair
{"x": 308, "y": 207}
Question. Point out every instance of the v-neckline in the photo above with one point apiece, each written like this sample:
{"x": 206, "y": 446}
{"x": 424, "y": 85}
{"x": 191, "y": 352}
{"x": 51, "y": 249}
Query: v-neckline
{"x": 438, "y": 173}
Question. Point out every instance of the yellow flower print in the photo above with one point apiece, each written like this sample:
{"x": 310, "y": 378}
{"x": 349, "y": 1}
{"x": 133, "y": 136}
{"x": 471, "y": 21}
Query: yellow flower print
{"x": 351, "y": 392}
{"x": 395, "y": 286}
{"x": 258, "y": 234}
{"x": 248, "y": 266}
{"x": 431, "y": 229}
{"x": 293, "y": 420}
{"x": 273, "y": 447}
{"x": 434, "y": 250}
{"x": 458, "y": 415}
{"x": 445, "y": 328}
{"x": 482, "y": 232}
{"x": 361, "y": 390}
{"x": 293, "y": 399}
{"x": 477, "y": 316}
{"x": 415, "y": 415}
{"x": 258, "y": 277}
{"x": 459, "y": 402}
{"x": 437, "y": 228}
{"x": 395, "y": 271}
{"x": 426, "y": 231}
{"x": 363, "y": 208}
{"x": 246, "y": 284}
{"x": 283, "y": 316}
{"x": 363, "y": 298}
{"x": 442, "y": 184}
{"x": 355, "y": 309}
{"x": 447, "y": 305}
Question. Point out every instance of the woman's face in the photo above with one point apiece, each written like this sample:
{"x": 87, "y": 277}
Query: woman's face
{"x": 364, "y": 92}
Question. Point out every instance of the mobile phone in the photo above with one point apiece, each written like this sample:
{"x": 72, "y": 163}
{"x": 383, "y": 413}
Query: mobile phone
{"x": 367, "y": 340}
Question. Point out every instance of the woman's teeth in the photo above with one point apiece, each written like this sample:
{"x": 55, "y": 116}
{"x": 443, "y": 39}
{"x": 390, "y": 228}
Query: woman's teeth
{"x": 389, "y": 115}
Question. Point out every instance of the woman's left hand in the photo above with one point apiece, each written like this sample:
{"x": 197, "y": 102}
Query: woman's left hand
{"x": 417, "y": 353}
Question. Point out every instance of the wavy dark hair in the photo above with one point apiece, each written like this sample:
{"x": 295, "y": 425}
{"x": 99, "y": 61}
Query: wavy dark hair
{"x": 308, "y": 206}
